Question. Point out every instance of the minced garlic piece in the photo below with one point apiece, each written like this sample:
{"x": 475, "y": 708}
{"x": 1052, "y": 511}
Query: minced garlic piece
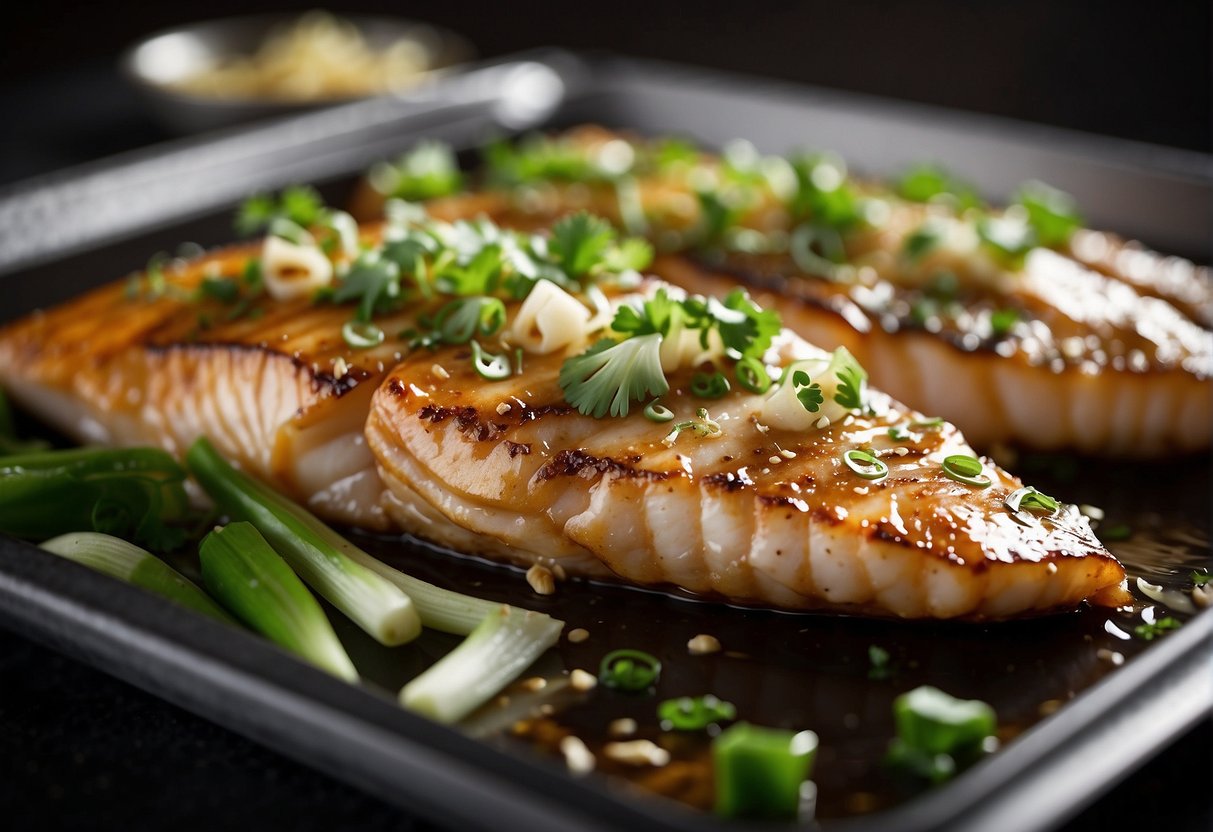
{"x": 578, "y": 758}
{"x": 637, "y": 753}
{"x": 624, "y": 727}
{"x": 293, "y": 271}
{"x": 541, "y": 579}
{"x": 703, "y": 644}
{"x": 582, "y": 680}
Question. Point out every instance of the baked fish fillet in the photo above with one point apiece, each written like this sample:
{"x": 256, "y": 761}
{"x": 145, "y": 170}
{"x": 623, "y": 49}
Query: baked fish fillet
{"x": 417, "y": 442}
{"x": 1095, "y": 344}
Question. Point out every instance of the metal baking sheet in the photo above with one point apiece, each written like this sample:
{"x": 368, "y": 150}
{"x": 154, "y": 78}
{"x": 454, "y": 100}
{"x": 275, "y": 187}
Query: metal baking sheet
{"x": 88, "y": 226}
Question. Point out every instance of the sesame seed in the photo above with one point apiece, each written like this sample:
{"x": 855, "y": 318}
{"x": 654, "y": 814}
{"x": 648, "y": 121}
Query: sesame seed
{"x": 624, "y": 727}
{"x": 440, "y": 371}
{"x": 578, "y": 635}
{"x": 577, "y": 757}
{"x": 533, "y": 684}
{"x": 786, "y": 454}
{"x": 503, "y": 408}
{"x": 582, "y": 680}
{"x": 823, "y": 422}
{"x": 541, "y": 579}
{"x": 775, "y": 460}
{"x": 637, "y": 753}
{"x": 901, "y": 451}
{"x": 1051, "y": 568}
{"x": 761, "y": 427}
{"x": 703, "y": 644}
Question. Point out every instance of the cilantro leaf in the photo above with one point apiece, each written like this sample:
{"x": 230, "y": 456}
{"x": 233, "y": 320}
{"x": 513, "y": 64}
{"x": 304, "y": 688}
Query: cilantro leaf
{"x": 1052, "y": 214}
{"x": 655, "y": 315}
{"x": 633, "y": 254}
{"x": 373, "y": 281}
{"x": 300, "y": 204}
{"x": 925, "y": 183}
{"x": 580, "y": 242}
{"x": 427, "y": 171}
{"x": 851, "y": 380}
{"x": 610, "y": 375}
{"x": 1201, "y": 578}
{"x": 808, "y": 392}
{"x": 750, "y": 335}
{"x": 823, "y": 193}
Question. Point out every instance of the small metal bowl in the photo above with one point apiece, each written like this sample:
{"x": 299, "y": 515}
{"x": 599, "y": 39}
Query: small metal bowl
{"x": 158, "y": 62}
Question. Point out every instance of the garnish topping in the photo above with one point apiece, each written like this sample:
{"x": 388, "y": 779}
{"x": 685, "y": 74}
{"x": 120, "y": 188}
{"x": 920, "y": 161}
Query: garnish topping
{"x": 610, "y": 375}
{"x": 759, "y": 771}
{"x": 878, "y": 663}
{"x": 629, "y": 670}
{"x": 865, "y": 464}
{"x": 752, "y": 375}
{"x": 657, "y": 412}
{"x": 966, "y": 469}
{"x": 1029, "y": 501}
{"x": 461, "y": 320}
{"x": 489, "y": 366}
{"x": 1156, "y": 629}
{"x": 703, "y": 426}
{"x": 936, "y": 732}
{"x": 713, "y": 386}
{"x": 1201, "y": 578}
{"x": 808, "y": 392}
{"x": 427, "y": 171}
{"x": 694, "y": 713}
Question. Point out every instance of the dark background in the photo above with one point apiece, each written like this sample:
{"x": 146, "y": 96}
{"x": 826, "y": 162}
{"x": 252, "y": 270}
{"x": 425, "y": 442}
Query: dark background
{"x": 81, "y": 751}
{"x": 1140, "y": 70}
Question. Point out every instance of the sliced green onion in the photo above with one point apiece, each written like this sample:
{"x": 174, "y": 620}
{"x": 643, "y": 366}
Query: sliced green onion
{"x": 311, "y": 548}
{"x": 1028, "y": 499}
{"x": 694, "y": 713}
{"x": 127, "y": 562}
{"x": 127, "y": 492}
{"x": 461, "y": 320}
{"x": 709, "y": 386}
{"x": 752, "y": 375}
{"x": 759, "y": 771}
{"x": 505, "y": 643}
{"x": 932, "y": 424}
{"x": 361, "y": 335}
{"x": 629, "y": 670}
{"x": 966, "y": 469}
{"x": 254, "y": 582}
{"x": 816, "y": 250}
{"x": 899, "y": 433}
{"x": 865, "y": 464}
{"x": 489, "y": 366}
{"x": 1002, "y": 321}
{"x": 657, "y": 412}
{"x": 931, "y": 721}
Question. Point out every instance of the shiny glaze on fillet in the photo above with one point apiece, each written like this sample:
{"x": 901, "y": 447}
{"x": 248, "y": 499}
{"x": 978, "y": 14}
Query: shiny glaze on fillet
{"x": 1114, "y": 354}
{"x": 732, "y": 516}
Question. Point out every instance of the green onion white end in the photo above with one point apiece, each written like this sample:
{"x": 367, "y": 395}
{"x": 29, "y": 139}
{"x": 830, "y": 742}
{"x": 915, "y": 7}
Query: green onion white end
{"x": 505, "y": 643}
{"x": 317, "y": 554}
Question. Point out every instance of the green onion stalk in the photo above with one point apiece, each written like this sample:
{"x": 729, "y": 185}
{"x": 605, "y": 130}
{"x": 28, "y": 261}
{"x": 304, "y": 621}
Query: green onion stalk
{"x": 319, "y": 555}
{"x": 255, "y": 583}
{"x": 127, "y": 562}
{"x": 505, "y": 643}
{"x": 127, "y": 492}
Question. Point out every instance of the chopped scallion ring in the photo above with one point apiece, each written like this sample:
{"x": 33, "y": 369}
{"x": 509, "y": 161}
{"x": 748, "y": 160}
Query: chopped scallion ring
{"x": 361, "y": 335}
{"x": 694, "y": 713}
{"x": 629, "y": 670}
{"x": 752, "y": 375}
{"x": 1030, "y": 500}
{"x": 934, "y": 423}
{"x": 704, "y": 386}
{"x": 865, "y": 464}
{"x": 657, "y": 412}
{"x": 967, "y": 469}
{"x": 489, "y": 366}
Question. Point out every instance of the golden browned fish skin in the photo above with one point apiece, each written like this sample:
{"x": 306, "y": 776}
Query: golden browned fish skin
{"x": 417, "y": 442}
{"x": 1111, "y": 354}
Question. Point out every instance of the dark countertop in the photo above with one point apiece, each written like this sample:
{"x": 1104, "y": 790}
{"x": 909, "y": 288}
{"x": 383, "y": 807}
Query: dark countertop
{"x": 81, "y": 750}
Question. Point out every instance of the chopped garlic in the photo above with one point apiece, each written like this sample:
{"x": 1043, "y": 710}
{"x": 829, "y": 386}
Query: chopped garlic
{"x": 578, "y": 635}
{"x": 550, "y": 319}
{"x": 624, "y": 727}
{"x": 503, "y": 408}
{"x": 293, "y": 271}
{"x": 703, "y": 644}
{"x": 582, "y": 680}
{"x": 541, "y": 579}
{"x": 578, "y": 758}
{"x": 637, "y": 753}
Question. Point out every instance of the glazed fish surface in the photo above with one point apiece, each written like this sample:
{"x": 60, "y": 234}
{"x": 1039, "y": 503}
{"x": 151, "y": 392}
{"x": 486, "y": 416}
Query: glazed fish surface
{"x": 532, "y": 398}
{"x": 1017, "y": 324}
